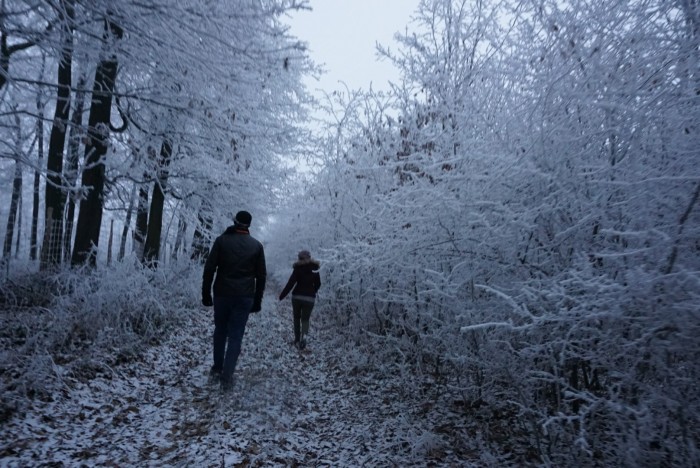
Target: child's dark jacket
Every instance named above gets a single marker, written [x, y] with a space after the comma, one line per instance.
[304, 281]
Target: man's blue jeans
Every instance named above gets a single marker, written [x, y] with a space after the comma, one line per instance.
[230, 318]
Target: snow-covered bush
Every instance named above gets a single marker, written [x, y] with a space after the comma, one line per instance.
[78, 323]
[525, 231]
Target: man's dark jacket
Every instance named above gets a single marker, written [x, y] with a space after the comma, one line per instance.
[238, 260]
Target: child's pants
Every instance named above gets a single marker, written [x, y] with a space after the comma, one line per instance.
[302, 313]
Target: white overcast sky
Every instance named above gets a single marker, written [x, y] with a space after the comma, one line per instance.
[342, 36]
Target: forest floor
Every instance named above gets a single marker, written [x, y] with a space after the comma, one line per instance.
[288, 408]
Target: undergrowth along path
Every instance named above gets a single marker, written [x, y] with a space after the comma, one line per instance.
[287, 408]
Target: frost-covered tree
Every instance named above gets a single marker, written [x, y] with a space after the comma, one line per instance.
[218, 84]
[523, 224]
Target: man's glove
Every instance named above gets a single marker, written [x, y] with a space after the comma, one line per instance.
[207, 300]
[257, 305]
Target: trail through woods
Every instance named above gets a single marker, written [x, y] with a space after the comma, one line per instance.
[287, 409]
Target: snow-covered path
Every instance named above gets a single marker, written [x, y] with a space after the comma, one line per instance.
[287, 409]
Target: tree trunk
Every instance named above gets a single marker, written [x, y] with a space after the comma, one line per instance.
[681, 224]
[200, 241]
[87, 230]
[19, 221]
[12, 215]
[109, 245]
[127, 223]
[181, 230]
[6, 51]
[73, 161]
[55, 197]
[4, 55]
[37, 179]
[16, 190]
[155, 216]
[141, 222]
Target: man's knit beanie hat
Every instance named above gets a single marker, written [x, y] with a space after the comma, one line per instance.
[243, 219]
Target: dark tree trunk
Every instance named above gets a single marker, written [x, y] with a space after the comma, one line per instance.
[72, 162]
[155, 217]
[141, 222]
[4, 56]
[127, 223]
[19, 221]
[55, 196]
[6, 52]
[109, 245]
[33, 242]
[12, 215]
[16, 190]
[87, 230]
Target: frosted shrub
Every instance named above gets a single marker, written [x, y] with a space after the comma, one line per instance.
[522, 239]
[602, 369]
[127, 303]
[89, 319]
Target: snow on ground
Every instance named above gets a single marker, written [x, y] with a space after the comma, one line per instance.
[288, 408]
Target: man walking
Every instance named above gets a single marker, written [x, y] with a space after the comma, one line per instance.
[238, 260]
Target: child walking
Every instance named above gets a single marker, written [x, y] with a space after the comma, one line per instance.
[304, 283]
